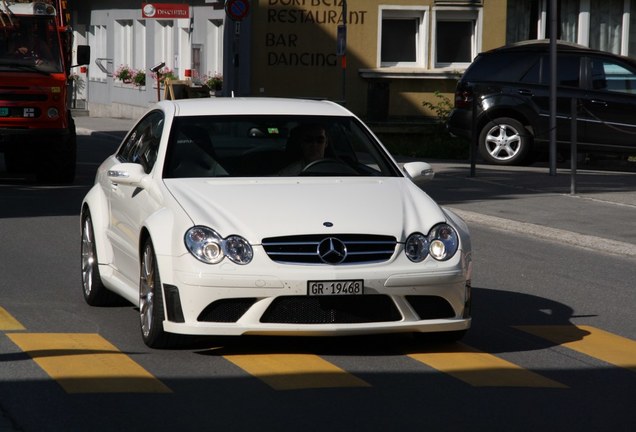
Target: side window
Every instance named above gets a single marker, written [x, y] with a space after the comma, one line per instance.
[611, 76]
[142, 145]
[568, 71]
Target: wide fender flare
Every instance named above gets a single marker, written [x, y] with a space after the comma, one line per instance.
[97, 204]
[166, 231]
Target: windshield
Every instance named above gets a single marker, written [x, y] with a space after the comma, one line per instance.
[29, 44]
[283, 146]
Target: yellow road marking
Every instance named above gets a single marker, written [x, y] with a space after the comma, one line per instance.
[608, 347]
[7, 322]
[481, 369]
[87, 363]
[295, 371]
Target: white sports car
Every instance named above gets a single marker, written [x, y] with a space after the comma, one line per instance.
[261, 216]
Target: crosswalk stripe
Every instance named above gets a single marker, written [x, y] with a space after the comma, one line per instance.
[7, 322]
[481, 369]
[605, 346]
[87, 363]
[295, 371]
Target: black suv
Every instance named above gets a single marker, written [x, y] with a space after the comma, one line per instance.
[510, 90]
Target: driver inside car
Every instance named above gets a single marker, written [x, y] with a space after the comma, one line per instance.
[306, 144]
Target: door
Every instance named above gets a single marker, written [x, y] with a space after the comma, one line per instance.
[610, 104]
[569, 85]
[131, 205]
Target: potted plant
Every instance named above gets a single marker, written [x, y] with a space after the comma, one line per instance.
[214, 82]
[164, 74]
[139, 78]
[124, 74]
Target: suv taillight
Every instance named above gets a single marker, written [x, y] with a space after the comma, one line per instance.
[463, 98]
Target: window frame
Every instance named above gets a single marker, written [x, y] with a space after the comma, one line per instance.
[143, 140]
[457, 14]
[421, 41]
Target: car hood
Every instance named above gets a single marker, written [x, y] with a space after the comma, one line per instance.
[260, 208]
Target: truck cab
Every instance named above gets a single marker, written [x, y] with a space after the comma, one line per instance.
[37, 131]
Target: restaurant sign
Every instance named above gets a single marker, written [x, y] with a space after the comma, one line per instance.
[165, 10]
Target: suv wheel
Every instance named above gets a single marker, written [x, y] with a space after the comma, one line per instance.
[504, 141]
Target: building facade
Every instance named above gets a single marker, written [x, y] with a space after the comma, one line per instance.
[385, 60]
[122, 36]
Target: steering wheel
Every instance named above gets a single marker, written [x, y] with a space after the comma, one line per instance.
[328, 166]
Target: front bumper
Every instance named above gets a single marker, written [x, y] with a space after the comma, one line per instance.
[459, 123]
[398, 298]
[19, 137]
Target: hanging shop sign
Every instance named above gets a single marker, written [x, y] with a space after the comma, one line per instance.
[165, 10]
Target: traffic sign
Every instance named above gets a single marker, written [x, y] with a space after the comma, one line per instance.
[237, 9]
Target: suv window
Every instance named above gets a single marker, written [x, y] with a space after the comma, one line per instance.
[612, 76]
[568, 70]
[505, 67]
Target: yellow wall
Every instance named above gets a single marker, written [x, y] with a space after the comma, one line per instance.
[293, 52]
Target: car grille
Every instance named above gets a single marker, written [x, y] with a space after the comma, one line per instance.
[226, 310]
[314, 249]
[331, 310]
[327, 310]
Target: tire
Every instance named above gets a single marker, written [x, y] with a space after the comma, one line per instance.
[151, 310]
[505, 141]
[95, 293]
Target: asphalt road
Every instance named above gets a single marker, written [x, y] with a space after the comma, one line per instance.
[553, 346]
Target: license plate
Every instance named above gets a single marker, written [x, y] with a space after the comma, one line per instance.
[4, 112]
[340, 287]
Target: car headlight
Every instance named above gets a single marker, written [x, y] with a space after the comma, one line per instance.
[52, 113]
[209, 247]
[416, 247]
[441, 243]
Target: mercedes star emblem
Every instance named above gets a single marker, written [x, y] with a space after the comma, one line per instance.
[332, 251]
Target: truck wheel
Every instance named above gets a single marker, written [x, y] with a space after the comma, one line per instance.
[505, 141]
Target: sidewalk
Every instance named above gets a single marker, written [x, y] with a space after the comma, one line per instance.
[529, 201]
[601, 215]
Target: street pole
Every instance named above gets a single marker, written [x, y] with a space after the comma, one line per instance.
[343, 59]
[573, 145]
[553, 85]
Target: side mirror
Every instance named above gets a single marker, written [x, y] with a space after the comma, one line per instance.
[83, 55]
[419, 172]
[130, 174]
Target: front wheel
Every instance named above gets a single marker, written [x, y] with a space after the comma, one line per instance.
[95, 293]
[505, 141]
[151, 309]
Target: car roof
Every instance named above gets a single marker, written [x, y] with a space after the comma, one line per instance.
[543, 46]
[253, 106]
[538, 45]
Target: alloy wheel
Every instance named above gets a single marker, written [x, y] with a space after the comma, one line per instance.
[146, 291]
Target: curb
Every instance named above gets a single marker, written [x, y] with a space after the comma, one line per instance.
[555, 235]
[103, 135]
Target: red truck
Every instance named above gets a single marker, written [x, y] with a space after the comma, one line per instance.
[37, 131]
